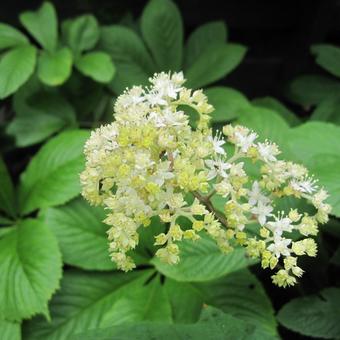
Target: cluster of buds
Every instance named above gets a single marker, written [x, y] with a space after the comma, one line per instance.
[150, 163]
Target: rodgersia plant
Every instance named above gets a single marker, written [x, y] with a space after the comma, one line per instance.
[150, 162]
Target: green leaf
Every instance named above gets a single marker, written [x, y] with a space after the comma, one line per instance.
[204, 38]
[7, 198]
[314, 315]
[227, 103]
[132, 60]
[213, 325]
[308, 90]
[328, 57]
[83, 301]
[241, 295]
[273, 104]
[81, 234]
[81, 33]
[52, 177]
[54, 68]
[162, 30]
[10, 37]
[186, 301]
[96, 65]
[31, 263]
[328, 110]
[10, 330]
[203, 261]
[43, 25]
[16, 66]
[39, 114]
[214, 64]
[5, 221]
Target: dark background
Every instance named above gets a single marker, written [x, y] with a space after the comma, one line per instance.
[278, 33]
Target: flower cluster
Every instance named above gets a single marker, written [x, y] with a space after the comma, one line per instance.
[150, 162]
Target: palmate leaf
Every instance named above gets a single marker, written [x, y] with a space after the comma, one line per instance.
[315, 315]
[202, 260]
[52, 177]
[16, 66]
[43, 25]
[204, 38]
[10, 37]
[87, 299]
[224, 59]
[7, 197]
[31, 264]
[162, 30]
[10, 330]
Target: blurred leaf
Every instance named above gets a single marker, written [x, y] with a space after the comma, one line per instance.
[39, 114]
[43, 25]
[162, 30]
[16, 66]
[55, 67]
[308, 90]
[227, 103]
[31, 263]
[214, 64]
[82, 302]
[213, 325]
[81, 234]
[52, 176]
[273, 104]
[205, 37]
[96, 65]
[328, 57]
[132, 60]
[328, 110]
[10, 330]
[241, 295]
[315, 315]
[81, 33]
[11, 37]
[186, 301]
[5, 221]
[202, 260]
[7, 199]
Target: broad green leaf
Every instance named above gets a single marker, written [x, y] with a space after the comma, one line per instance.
[328, 110]
[39, 114]
[203, 38]
[10, 37]
[43, 25]
[314, 315]
[214, 64]
[54, 68]
[273, 104]
[16, 66]
[52, 176]
[148, 302]
[328, 57]
[202, 260]
[7, 198]
[81, 234]
[81, 33]
[213, 325]
[10, 330]
[308, 90]
[162, 30]
[227, 103]
[131, 58]
[241, 295]
[96, 65]
[186, 301]
[5, 221]
[31, 263]
[83, 301]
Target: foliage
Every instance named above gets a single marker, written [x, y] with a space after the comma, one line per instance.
[57, 79]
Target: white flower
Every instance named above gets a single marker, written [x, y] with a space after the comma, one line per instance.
[217, 143]
[280, 247]
[306, 185]
[255, 195]
[245, 141]
[217, 168]
[268, 151]
[262, 211]
[280, 225]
